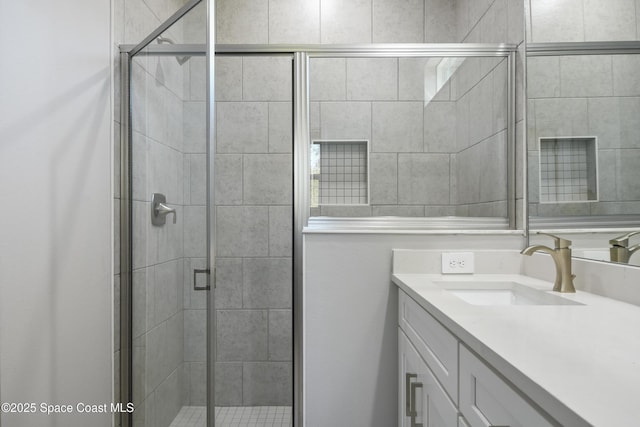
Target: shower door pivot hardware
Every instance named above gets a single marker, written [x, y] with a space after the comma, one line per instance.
[159, 210]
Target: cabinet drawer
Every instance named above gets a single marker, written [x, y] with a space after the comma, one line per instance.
[486, 400]
[437, 346]
[420, 390]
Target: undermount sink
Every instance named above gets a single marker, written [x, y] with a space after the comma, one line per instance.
[502, 293]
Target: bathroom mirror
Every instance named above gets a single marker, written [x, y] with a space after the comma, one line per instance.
[583, 125]
[420, 137]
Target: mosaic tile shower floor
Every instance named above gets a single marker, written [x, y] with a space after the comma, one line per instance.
[235, 416]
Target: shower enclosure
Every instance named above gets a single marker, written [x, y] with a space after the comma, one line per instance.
[218, 185]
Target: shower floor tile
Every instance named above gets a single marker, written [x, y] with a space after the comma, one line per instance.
[235, 416]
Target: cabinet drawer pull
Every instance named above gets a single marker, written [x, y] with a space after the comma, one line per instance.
[407, 382]
[414, 412]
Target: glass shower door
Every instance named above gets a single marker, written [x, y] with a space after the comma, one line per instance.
[254, 217]
[169, 194]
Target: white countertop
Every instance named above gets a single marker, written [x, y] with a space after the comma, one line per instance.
[580, 363]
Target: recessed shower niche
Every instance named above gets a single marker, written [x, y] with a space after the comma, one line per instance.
[339, 172]
[568, 170]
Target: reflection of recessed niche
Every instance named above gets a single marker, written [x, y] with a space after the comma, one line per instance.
[339, 173]
[568, 170]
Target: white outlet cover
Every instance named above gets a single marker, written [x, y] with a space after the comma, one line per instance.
[457, 263]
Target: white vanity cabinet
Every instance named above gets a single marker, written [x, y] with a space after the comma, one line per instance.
[487, 400]
[442, 383]
[423, 401]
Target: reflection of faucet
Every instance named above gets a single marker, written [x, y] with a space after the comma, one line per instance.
[562, 258]
[620, 250]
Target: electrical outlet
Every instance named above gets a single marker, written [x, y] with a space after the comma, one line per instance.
[457, 262]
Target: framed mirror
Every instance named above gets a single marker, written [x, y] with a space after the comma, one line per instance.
[583, 126]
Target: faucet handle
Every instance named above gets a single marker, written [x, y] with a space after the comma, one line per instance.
[559, 242]
[623, 240]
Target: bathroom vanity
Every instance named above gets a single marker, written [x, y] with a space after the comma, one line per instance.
[503, 349]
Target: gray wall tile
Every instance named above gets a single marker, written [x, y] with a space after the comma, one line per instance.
[611, 20]
[197, 179]
[266, 282]
[328, 79]
[423, 179]
[280, 335]
[629, 181]
[462, 123]
[266, 78]
[585, 76]
[397, 127]
[229, 283]
[267, 383]
[440, 21]
[372, 79]
[168, 285]
[543, 77]
[194, 299]
[558, 23]
[197, 80]
[195, 244]
[280, 230]
[294, 21]
[242, 231]
[345, 120]
[195, 338]
[194, 127]
[347, 22]
[242, 127]
[228, 383]
[267, 179]
[440, 127]
[493, 24]
[168, 400]
[626, 79]
[228, 78]
[157, 363]
[608, 174]
[242, 21]
[398, 22]
[561, 117]
[383, 177]
[228, 175]
[280, 125]
[198, 384]
[241, 335]
[480, 114]
[515, 21]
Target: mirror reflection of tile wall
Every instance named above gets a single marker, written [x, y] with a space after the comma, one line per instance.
[595, 95]
[443, 156]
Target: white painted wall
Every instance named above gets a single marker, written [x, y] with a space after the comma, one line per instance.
[351, 321]
[56, 208]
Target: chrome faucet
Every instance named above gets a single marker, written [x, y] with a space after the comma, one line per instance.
[620, 250]
[561, 257]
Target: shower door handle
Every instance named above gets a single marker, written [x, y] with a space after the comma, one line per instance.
[197, 271]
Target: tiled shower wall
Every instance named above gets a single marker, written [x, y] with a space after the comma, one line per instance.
[596, 95]
[254, 231]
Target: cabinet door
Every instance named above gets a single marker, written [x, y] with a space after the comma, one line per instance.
[486, 400]
[420, 393]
